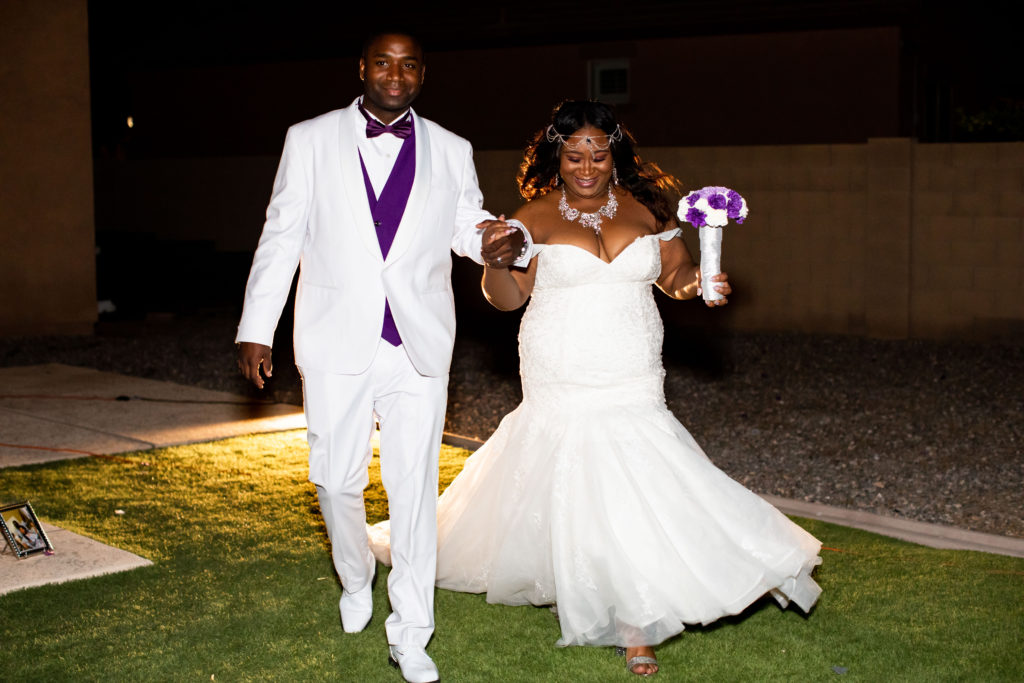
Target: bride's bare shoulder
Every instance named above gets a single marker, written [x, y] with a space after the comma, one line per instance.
[540, 206]
[632, 211]
[539, 215]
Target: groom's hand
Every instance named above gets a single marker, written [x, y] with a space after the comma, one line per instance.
[502, 243]
[250, 357]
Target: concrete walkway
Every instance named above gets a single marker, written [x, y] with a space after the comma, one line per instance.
[56, 412]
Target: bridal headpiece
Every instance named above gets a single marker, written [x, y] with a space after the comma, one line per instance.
[597, 143]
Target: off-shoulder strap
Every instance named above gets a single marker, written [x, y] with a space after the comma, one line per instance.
[668, 234]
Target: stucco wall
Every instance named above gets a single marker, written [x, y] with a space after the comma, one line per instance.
[47, 241]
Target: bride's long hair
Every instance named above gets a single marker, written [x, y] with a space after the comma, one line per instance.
[538, 172]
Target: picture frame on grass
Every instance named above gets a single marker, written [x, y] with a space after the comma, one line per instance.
[22, 531]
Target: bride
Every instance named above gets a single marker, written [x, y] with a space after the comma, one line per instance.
[590, 495]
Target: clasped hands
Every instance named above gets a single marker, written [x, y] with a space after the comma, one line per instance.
[502, 243]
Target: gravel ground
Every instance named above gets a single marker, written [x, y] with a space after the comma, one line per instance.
[921, 430]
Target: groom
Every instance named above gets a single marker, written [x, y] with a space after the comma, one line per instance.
[371, 200]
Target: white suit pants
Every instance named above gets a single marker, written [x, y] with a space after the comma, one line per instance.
[340, 414]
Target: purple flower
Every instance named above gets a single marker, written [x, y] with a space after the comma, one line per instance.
[695, 217]
[693, 198]
[732, 209]
[717, 201]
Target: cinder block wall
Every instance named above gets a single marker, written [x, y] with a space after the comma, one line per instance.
[798, 263]
[967, 253]
[47, 240]
[886, 239]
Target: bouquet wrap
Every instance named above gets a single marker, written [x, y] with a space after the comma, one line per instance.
[710, 261]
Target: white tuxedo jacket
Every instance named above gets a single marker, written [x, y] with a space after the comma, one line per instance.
[319, 217]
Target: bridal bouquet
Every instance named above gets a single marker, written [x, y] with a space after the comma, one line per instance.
[709, 209]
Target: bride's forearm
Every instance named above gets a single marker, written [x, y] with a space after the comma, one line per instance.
[502, 289]
[684, 284]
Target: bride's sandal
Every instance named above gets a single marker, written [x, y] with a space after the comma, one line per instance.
[637, 661]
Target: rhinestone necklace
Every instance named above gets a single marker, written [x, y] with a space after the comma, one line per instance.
[589, 220]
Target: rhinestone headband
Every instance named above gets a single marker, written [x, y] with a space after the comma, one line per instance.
[598, 143]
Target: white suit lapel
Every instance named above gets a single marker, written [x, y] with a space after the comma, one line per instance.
[352, 181]
[417, 196]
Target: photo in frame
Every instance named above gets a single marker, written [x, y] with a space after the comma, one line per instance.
[22, 530]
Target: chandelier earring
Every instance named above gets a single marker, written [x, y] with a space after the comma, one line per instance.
[615, 175]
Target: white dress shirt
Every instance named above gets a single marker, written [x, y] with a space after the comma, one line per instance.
[378, 153]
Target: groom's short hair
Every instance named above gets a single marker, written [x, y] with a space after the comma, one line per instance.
[390, 31]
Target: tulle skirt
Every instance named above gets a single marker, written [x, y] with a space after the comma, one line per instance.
[618, 518]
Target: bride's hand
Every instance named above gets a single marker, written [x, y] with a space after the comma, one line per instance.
[721, 285]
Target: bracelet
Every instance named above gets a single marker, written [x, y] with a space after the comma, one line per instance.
[526, 245]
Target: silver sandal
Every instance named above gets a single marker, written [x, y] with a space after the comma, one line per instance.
[633, 661]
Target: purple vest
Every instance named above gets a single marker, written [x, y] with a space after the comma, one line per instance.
[387, 211]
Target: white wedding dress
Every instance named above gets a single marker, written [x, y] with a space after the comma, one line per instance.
[591, 495]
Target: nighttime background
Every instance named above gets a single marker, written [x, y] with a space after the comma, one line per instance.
[960, 63]
[224, 81]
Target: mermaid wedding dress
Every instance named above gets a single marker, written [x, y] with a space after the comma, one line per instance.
[591, 495]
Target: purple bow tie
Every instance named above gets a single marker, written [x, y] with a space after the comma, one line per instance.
[400, 129]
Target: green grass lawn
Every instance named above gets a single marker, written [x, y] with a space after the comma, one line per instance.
[242, 588]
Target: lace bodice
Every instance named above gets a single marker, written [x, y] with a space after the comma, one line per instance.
[593, 326]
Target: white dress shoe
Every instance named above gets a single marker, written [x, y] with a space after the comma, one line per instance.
[415, 663]
[356, 609]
